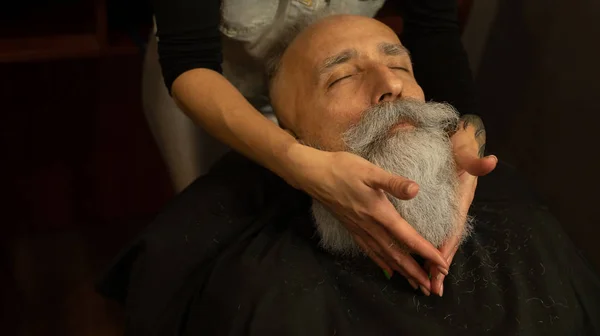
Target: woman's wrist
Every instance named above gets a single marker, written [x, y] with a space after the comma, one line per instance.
[288, 161]
[300, 163]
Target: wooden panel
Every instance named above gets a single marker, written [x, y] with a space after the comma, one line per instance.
[48, 48]
[40, 18]
[66, 29]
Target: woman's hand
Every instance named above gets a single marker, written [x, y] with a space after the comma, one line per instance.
[469, 147]
[467, 186]
[355, 191]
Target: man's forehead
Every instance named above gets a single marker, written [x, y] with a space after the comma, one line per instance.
[337, 39]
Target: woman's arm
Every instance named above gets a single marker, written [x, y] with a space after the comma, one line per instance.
[216, 105]
[189, 46]
[188, 36]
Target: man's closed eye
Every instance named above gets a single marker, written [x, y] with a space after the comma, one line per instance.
[400, 68]
[339, 80]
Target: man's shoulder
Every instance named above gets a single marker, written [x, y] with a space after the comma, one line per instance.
[235, 178]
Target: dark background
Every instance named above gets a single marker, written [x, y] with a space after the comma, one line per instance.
[81, 174]
[538, 86]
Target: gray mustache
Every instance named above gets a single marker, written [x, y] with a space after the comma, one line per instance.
[378, 120]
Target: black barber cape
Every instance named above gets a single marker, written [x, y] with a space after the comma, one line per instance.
[236, 254]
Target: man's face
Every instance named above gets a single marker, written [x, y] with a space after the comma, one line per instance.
[346, 84]
[334, 71]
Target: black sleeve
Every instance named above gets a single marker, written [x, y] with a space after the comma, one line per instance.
[188, 36]
[432, 34]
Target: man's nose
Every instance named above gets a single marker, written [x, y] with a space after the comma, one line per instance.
[387, 85]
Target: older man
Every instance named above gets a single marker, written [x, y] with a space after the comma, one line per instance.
[242, 254]
[357, 83]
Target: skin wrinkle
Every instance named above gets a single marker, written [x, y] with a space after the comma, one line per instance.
[388, 49]
[335, 60]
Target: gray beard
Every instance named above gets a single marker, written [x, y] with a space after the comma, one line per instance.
[423, 154]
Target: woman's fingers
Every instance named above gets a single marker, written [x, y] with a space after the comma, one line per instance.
[437, 278]
[468, 144]
[397, 255]
[378, 246]
[357, 192]
[397, 186]
[373, 252]
[385, 214]
[449, 248]
[467, 159]
[388, 271]
[437, 281]
[451, 257]
[412, 270]
[402, 232]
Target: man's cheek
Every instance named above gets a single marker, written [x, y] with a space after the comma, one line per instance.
[417, 93]
[333, 140]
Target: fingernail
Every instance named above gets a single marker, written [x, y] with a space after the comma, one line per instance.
[413, 284]
[387, 274]
[440, 276]
[408, 188]
[441, 290]
[492, 157]
[425, 291]
[443, 270]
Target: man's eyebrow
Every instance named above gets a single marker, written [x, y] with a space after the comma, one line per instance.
[393, 49]
[337, 59]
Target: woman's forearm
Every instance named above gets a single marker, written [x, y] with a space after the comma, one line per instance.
[213, 103]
